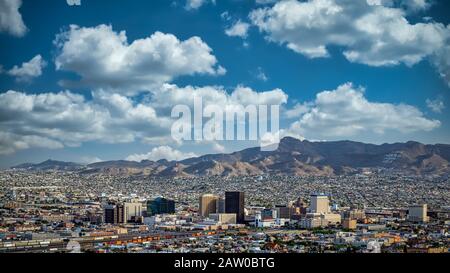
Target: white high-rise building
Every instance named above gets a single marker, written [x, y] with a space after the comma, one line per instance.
[418, 213]
[320, 204]
[132, 209]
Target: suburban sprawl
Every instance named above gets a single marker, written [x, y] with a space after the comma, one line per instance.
[63, 211]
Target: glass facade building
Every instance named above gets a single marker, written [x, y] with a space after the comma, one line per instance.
[160, 206]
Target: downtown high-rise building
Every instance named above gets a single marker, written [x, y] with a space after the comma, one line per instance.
[220, 205]
[160, 205]
[320, 204]
[132, 210]
[418, 213]
[114, 214]
[208, 204]
[234, 203]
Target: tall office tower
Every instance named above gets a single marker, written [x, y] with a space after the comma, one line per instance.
[132, 210]
[120, 213]
[234, 203]
[220, 205]
[418, 213]
[114, 214]
[110, 214]
[160, 206]
[208, 204]
[320, 204]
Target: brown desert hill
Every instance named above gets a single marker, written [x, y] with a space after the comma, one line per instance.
[293, 157]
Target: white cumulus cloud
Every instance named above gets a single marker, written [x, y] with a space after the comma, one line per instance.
[345, 112]
[10, 18]
[104, 58]
[73, 2]
[161, 152]
[369, 32]
[10, 143]
[436, 105]
[196, 4]
[28, 70]
[409, 6]
[68, 119]
[238, 29]
[441, 60]
[170, 95]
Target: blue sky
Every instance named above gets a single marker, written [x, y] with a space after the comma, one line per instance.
[396, 92]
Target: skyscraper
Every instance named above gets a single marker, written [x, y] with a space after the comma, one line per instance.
[220, 205]
[132, 210]
[418, 213]
[114, 214]
[234, 203]
[320, 203]
[208, 204]
[160, 206]
[109, 214]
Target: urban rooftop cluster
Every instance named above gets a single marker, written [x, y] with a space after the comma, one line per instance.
[65, 212]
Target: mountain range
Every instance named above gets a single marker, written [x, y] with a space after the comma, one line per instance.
[293, 157]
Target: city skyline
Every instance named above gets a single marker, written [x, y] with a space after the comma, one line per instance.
[372, 213]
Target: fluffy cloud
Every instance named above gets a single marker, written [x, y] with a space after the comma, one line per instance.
[229, 102]
[298, 110]
[104, 58]
[162, 152]
[55, 120]
[10, 143]
[345, 112]
[196, 4]
[28, 70]
[441, 61]
[170, 95]
[436, 105]
[73, 2]
[407, 5]
[369, 32]
[11, 19]
[260, 75]
[416, 5]
[238, 29]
